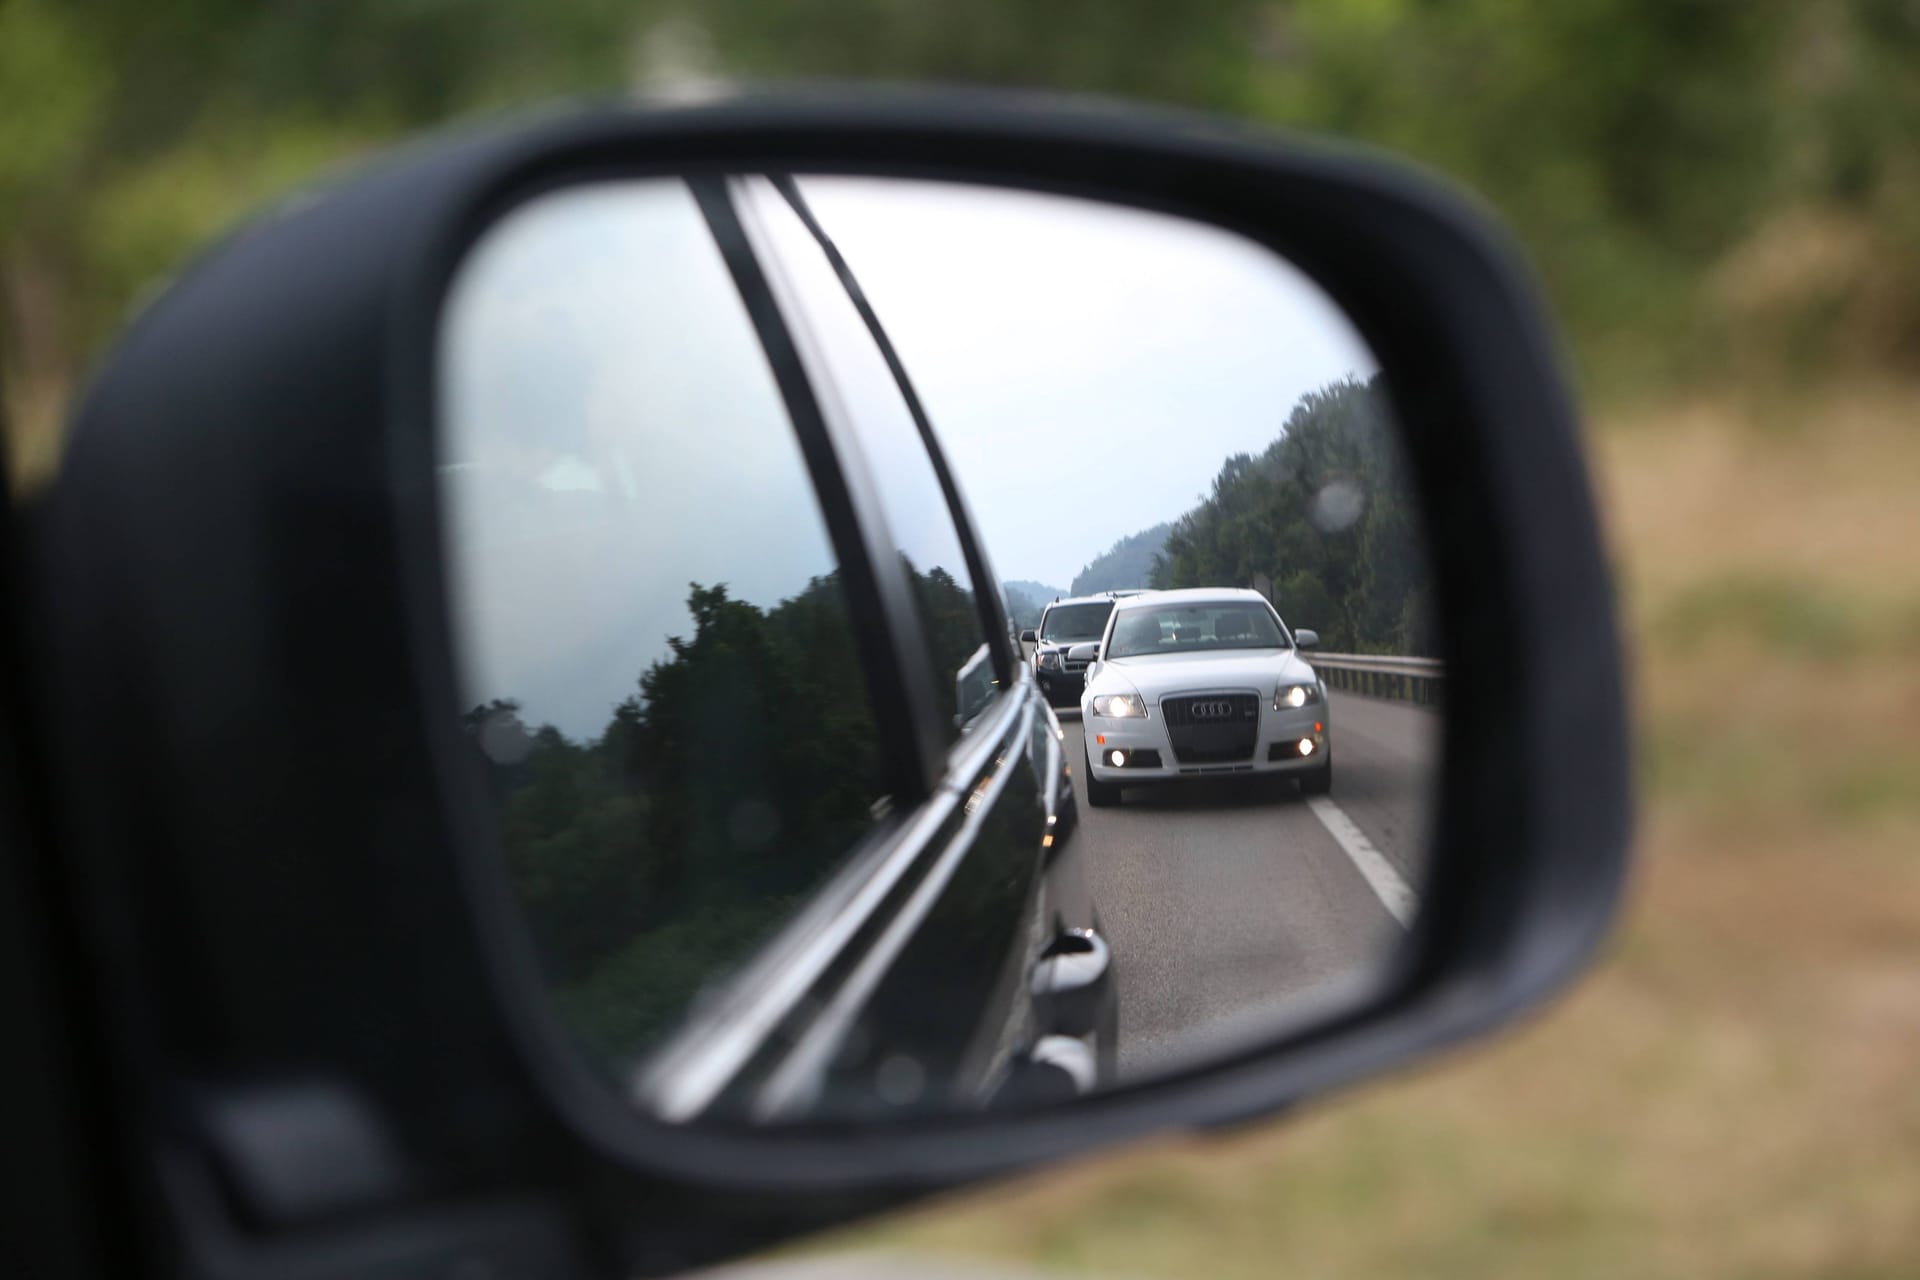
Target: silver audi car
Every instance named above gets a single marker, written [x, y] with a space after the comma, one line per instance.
[1201, 683]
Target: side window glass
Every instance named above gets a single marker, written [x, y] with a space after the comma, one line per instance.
[916, 509]
[657, 660]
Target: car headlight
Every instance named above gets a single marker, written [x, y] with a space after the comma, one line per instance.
[1049, 659]
[1290, 696]
[1120, 706]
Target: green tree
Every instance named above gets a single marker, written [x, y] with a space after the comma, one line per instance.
[651, 860]
[952, 622]
[1707, 188]
[1327, 514]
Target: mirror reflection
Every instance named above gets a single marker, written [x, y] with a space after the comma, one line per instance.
[928, 647]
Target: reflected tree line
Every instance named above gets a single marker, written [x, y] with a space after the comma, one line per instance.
[654, 857]
[1327, 514]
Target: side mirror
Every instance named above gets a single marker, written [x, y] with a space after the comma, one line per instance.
[1029, 636]
[1306, 638]
[643, 903]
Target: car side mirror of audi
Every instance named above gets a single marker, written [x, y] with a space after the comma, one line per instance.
[522, 691]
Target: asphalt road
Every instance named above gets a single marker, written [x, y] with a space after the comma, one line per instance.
[1232, 906]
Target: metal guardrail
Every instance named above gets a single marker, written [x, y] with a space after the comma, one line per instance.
[1379, 675]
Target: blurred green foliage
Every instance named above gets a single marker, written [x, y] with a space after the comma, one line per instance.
[1800, 619]
[1709, 188]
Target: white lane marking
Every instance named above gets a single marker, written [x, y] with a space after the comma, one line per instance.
[1395, 894]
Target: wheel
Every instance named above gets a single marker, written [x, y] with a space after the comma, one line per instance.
[1101, 795]
[1319, 782]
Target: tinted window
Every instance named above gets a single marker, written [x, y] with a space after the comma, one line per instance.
[657, 661]
[1180, 628]
[916, 510]
[1075, 622]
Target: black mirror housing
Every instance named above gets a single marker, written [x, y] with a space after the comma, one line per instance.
[238, 588]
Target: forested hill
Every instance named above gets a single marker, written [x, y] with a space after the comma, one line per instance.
[1026, 599]
[1326, 514]
[1127, 563]
[1034, 590]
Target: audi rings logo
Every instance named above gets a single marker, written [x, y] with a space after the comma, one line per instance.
[1218, 709]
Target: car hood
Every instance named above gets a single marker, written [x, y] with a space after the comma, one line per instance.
[1155, 675]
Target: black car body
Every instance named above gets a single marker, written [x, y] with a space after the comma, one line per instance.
[1002, 977]
[869, 824]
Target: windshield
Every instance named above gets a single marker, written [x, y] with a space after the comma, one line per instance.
[1075, 621]
[1186, 628]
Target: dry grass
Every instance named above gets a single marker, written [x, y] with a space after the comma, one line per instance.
[1736, 1092]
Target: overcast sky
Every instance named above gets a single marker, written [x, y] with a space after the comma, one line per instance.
[1087, 367]
[612, 431]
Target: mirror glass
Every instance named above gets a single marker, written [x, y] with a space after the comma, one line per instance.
[751, 489]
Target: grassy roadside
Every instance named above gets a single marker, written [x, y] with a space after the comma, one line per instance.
[1733, 1093]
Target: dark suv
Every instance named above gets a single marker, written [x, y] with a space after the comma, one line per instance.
[1061, 652]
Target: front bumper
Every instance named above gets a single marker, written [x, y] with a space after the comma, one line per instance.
[1143, 742]
[1061, 688]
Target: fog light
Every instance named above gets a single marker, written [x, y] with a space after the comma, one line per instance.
[1306, 746]
[1119, 759]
